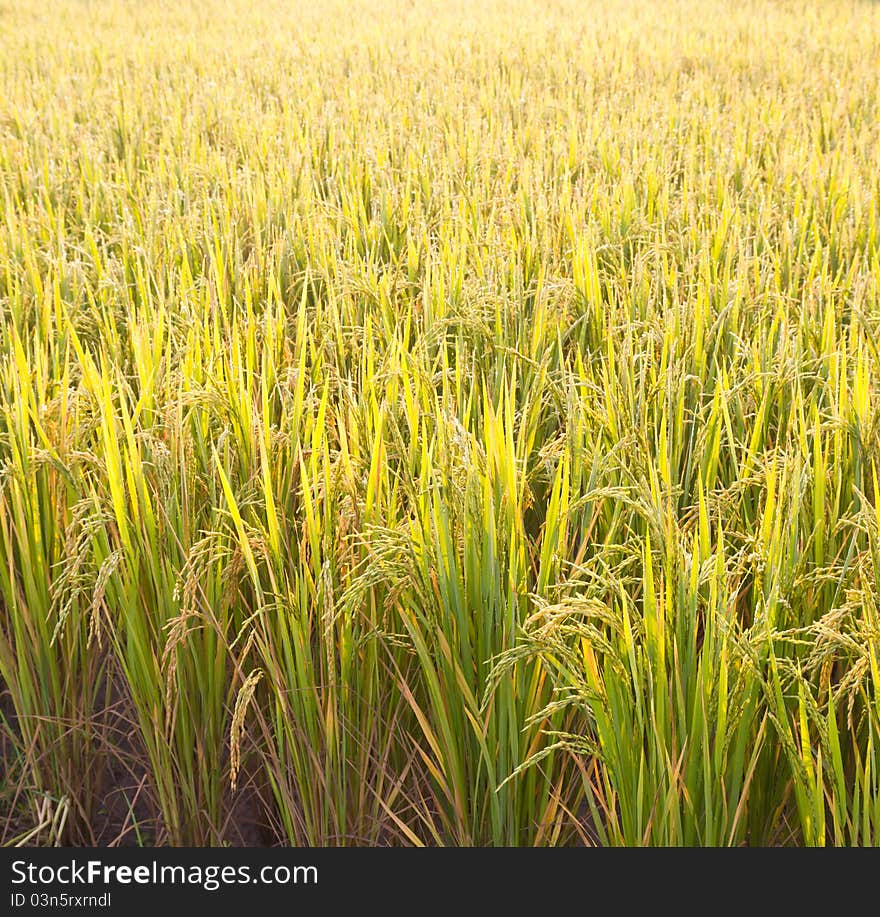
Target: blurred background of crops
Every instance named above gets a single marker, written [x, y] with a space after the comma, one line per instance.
[439, 423]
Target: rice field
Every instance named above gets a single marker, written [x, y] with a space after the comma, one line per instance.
[439, 423]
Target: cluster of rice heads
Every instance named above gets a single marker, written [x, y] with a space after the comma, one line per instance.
[447, 426]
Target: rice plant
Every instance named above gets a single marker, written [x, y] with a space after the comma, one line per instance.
[440, 424]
